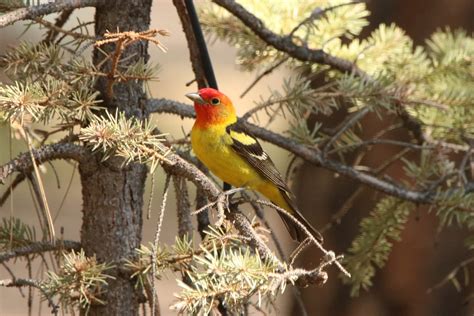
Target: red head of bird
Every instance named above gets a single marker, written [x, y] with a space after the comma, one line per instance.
[212, 107]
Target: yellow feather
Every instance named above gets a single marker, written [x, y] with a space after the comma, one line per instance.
[224, 152]
[212, 147]
[242, 137]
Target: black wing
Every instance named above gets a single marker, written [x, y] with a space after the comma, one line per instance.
[250, 149]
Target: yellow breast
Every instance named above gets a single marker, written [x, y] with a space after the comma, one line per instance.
[212, 147]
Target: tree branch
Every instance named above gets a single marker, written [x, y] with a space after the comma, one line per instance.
[32, 12]
[305, 54]
[58, 24]
[183, 207]
[39, 247]
[31, 283]
[311, 155]
[61, 150]
[286, 44]
[194, 53]
[177, 166]
[18, 179]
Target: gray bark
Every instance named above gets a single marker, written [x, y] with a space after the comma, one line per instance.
[112, 195]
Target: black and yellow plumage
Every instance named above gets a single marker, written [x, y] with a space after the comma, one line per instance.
[236, 157]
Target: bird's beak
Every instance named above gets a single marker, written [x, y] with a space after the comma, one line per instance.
[196, 98]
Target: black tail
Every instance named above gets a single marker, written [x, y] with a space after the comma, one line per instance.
[296, 232]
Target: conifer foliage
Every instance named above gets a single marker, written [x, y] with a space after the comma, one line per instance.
[63, 105]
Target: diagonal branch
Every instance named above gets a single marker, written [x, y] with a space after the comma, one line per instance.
[347, 125]
[194, 52]
[61, 150]
[177, 166]
[311, 155]
[306, 54]
[54, 31]
[286, 44]
[32, 12]
[18, 179]
[318, 13]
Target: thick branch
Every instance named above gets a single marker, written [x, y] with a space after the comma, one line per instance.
[243, 225]
[24, 164]
[177, 166]
[311, 155]
[39, 247]
[286, 44]
[32, 12]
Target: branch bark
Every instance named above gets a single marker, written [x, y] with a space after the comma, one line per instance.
[305, 54]
[286, 44]
[194, 53]
[311, 155]
[61, 150]
[32, 12]
[39, 247]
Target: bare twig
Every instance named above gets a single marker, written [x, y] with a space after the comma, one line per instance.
[68, 188]
[337, 216]
[152, 297]
[201, 196]
[38, 187]
[260, 214]
[221, 204]
[203, 221]
[243, 225]
[156, 241]
[42, 210]
[122, 40]
[267, 71]
[56, 29]
[319, 13]
[265, 106]
[59, 23]
[150, 199]
[350, 122]
[327, 253]
[12, 275]
[179, 167]
[371, 142]
[451, 276]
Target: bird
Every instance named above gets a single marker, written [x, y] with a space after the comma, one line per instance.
[224, 146]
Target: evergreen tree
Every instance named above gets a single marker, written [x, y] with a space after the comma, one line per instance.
[103, 112]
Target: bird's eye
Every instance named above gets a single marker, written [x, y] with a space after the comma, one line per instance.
[215, 101]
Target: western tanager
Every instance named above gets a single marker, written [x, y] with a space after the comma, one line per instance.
[237, 158]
